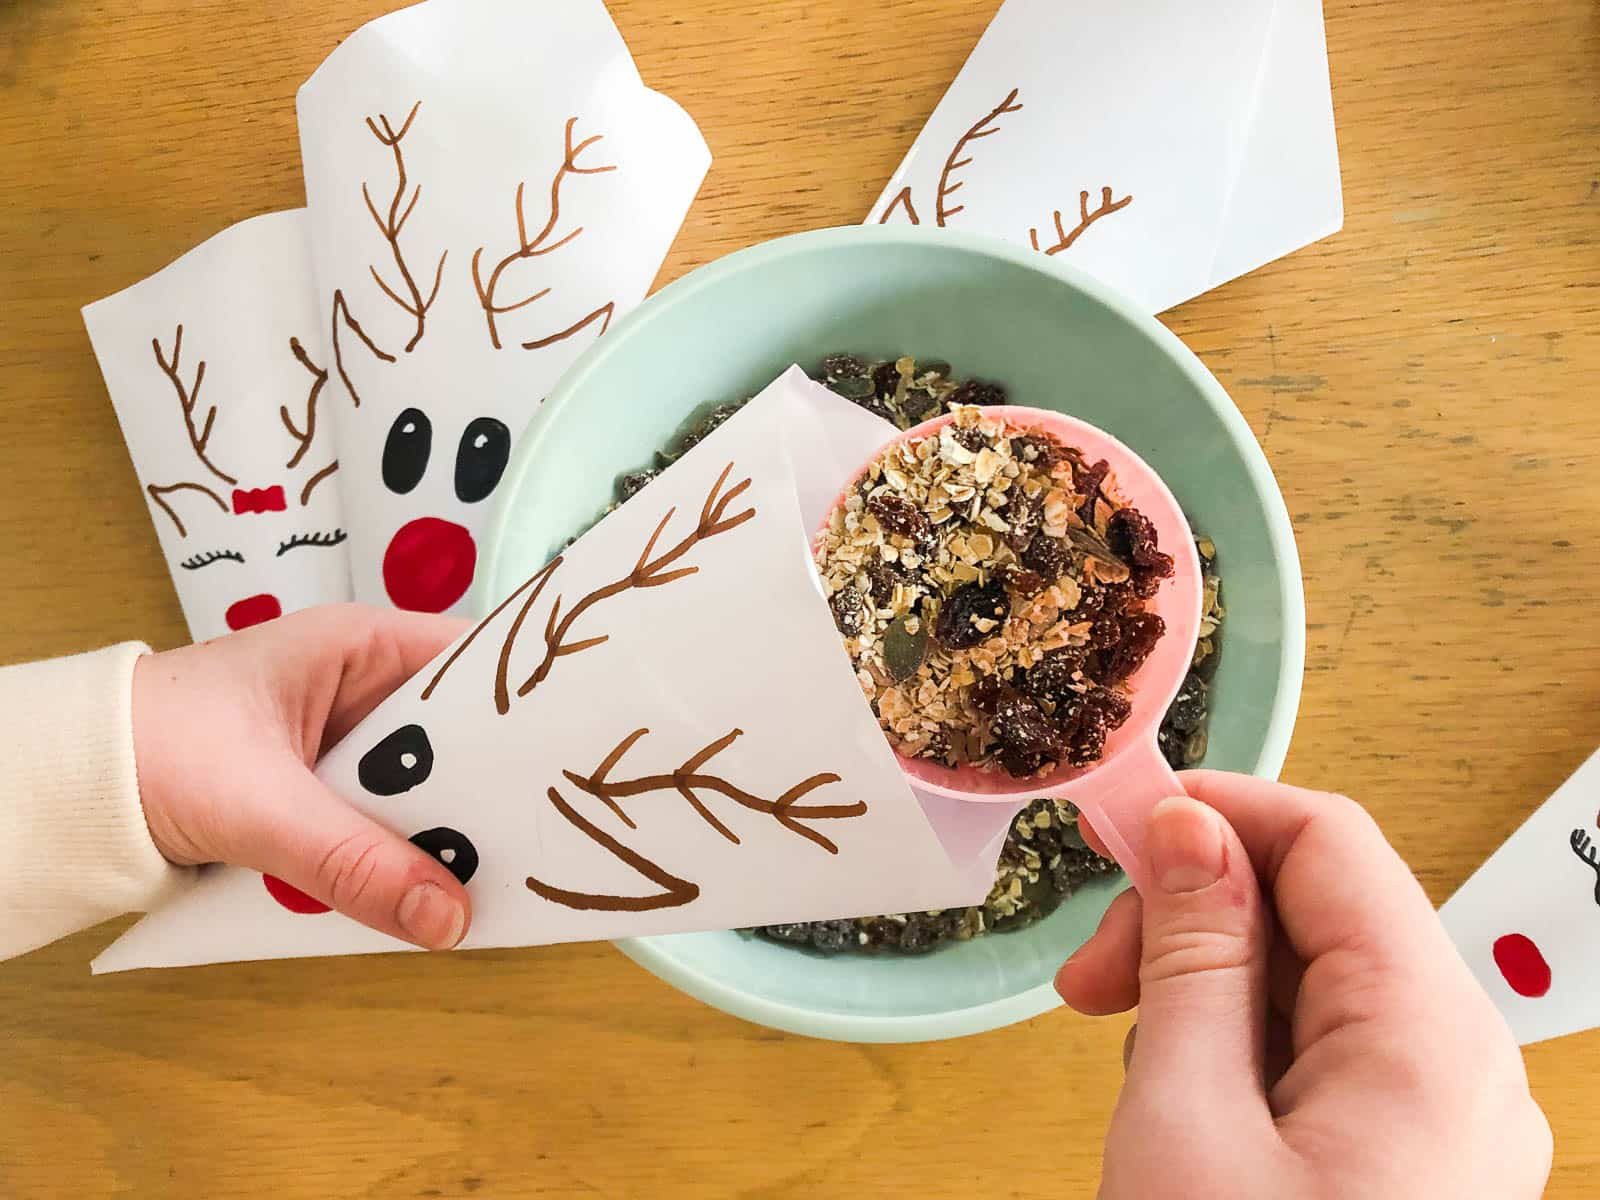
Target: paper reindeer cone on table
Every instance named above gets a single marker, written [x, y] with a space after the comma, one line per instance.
[1528, 921]
[1167, 146]
[218, 374]
[490, 185]
[658, 731]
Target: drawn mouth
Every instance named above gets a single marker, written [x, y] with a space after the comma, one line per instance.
[429, 564]
[253, 610]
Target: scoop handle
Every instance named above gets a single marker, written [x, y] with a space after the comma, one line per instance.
[1117, 798]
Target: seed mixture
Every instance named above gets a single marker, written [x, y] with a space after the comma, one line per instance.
[989, 587]
[1044, 859]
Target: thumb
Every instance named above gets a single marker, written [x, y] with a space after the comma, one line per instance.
[1203, 964]
[321, 848]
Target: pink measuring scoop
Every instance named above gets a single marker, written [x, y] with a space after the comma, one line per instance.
[1117, 793]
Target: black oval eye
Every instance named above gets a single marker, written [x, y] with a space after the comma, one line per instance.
[458, 855]
[481, 459]
[405, 454]
[398, 763]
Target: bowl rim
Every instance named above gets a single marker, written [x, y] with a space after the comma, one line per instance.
[650, 952]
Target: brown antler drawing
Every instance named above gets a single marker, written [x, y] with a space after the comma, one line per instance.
[199, 438]
[980, 129]
[311, 484]
[159, 493]
[689, 779]
[647, 572]
[303, 437]
[1064, 236]
[342, 316]
[538, 245]
[986, 125]
[390, 227]
[189, 400]
[953, 163]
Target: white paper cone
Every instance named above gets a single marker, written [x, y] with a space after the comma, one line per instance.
[491, 185]
[659, 732]
[1163, 147]
[217, 371]
[1528, 920]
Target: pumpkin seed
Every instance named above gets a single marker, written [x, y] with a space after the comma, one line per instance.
[904, 647]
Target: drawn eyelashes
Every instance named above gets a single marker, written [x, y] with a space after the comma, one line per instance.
[480, 458]
[209, 557]
[333, 538]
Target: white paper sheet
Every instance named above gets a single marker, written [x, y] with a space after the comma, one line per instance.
[1163, 147]
[490, 185]
[729, 679]
[217, 370]
[1528, 920]
[1287, 194]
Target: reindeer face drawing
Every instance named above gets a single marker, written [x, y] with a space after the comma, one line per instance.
[248, 550]
[440, 445]
[403, 758]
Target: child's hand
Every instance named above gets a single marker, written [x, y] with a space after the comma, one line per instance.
[225, 734]
[1328, 1043]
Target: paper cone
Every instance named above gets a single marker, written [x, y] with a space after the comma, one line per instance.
[658, 732]
[1528, 920]
[217, 371]
[491, 186]
[1163, 147]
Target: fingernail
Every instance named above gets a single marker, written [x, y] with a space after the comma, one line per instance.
[431, 917]
[1187, 850]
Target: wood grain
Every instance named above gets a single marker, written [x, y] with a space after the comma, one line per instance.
[1423, 384]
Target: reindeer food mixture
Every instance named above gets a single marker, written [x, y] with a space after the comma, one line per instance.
[1044, 860]
[989, 587]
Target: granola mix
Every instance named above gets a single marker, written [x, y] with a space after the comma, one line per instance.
[1044, 859]
[989, 587]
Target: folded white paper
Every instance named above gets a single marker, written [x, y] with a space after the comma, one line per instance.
[218, 373]
[1528, 921]
[1163, 147]
[657, 732]
[490, 186]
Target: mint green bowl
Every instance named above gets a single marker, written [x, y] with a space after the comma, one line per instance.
[1057, 339]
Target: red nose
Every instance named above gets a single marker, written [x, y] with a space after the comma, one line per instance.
[253, 610]
[292, 897]
[429, 565]
[1523, 966]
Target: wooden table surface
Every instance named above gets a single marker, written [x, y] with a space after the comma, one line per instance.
[1423, 383]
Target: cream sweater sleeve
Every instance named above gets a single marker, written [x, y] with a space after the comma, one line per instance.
[74, 848]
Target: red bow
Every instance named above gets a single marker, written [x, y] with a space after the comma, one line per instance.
[258, 500]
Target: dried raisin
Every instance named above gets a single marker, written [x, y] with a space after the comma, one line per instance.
[1053, 676]
[968, 438]
[1024, 514]
[849, 611]
[957, 627]
[1049, 556]
[885, 379]
[899, 516]
[1140, 631]
[977, 393]
[1027, 739]
[1132, 538]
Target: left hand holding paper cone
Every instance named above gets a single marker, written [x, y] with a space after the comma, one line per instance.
[226, 734]
[656, 732]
